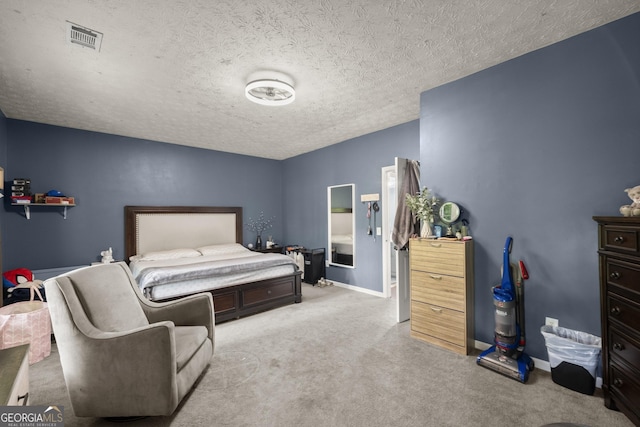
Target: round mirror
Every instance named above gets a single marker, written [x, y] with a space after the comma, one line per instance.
[449, 212]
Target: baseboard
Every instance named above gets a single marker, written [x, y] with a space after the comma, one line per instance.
[358, 289]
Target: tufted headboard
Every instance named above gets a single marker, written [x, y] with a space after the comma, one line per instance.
[157, 228]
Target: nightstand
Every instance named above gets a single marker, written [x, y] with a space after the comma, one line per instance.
[272, 250]
[14, 376]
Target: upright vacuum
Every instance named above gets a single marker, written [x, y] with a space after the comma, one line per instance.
[507, 356]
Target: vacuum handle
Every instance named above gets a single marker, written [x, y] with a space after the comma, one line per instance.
[507, 283]
[523, 271]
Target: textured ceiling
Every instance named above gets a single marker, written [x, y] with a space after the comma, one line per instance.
[175, 70]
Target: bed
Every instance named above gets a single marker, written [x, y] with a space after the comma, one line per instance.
[181, 250]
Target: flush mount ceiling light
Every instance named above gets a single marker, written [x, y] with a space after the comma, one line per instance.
[274, 90]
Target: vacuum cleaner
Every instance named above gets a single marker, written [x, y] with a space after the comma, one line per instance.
[507, 356]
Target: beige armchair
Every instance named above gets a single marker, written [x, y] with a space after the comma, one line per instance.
[122, 355]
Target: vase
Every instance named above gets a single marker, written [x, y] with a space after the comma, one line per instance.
[426, 230]
[259, 242]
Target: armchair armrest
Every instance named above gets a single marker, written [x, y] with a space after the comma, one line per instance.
[192, 310]
[127, 364]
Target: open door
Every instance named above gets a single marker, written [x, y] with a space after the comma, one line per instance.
[408, 181]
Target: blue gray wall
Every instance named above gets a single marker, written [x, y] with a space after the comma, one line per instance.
[357, 161]
[533, 148]
[107, 172]
[3, 164]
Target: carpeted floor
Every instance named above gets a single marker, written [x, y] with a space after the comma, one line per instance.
[339, 359]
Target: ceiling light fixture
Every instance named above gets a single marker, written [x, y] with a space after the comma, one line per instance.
[272, 91]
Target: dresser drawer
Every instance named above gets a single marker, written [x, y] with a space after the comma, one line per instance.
[261, 294]
[623, 274]
[438, 256]
[624, 311]
[14, 376]
[440, 322]
[438, 289]
[624, 386]
[620, 239]
[623, 347]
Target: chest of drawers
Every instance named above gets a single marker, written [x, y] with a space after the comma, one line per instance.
[442, 293]
[14, 376]
[619, 256]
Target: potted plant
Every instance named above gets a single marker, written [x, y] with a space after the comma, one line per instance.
[423, 206]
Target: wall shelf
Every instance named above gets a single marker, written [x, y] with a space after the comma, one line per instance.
[27, 207]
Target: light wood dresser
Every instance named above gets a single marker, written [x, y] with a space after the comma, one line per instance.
[442, 293]
[14, 376]
[619, 254]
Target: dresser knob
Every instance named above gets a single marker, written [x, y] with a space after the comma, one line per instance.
[615, 275]
[618, 382]
[24, 398]
[619, 239]
[618, 346]
[615, 310]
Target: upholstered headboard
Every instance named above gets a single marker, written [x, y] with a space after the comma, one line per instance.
[157, 228]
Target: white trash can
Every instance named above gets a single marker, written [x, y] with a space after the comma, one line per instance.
[573, 357]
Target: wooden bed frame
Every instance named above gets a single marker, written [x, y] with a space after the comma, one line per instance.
[155, 228]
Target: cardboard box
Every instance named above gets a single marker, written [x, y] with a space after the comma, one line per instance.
[59, 200]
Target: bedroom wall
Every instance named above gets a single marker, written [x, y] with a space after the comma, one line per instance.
[533, 148]
[357, 161]
[3, 148]
[3, 164]
[106, 172]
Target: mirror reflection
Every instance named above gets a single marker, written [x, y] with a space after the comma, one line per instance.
[449, 214]
[341, 225]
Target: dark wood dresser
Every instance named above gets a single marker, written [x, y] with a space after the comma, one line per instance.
[619, 253]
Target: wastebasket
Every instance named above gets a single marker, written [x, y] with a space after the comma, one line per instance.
[573, 357]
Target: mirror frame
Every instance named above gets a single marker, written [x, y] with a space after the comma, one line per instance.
[454, 207]
[329, 251]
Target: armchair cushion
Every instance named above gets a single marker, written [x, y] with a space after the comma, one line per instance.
[188, 340]
[107, 298]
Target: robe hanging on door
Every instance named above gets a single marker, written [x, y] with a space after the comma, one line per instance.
[405, 224]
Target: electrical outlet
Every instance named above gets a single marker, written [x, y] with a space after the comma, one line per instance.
[550, 321]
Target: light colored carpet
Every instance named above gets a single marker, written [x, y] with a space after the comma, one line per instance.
[339, 359]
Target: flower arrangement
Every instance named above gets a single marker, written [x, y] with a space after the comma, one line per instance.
[260, 224]
[423, 205]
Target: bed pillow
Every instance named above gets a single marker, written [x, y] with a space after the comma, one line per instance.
[170, 254]
[222, 249]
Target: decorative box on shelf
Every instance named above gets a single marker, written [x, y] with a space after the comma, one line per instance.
[49, 200]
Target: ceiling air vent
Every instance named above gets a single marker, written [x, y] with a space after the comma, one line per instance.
[77, 34]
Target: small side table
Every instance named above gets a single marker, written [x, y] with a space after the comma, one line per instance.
[272, 249]
[14, 376]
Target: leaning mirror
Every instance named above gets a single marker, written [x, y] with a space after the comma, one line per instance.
[342, 250]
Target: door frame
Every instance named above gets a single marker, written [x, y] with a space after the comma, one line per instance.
[386, 232]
